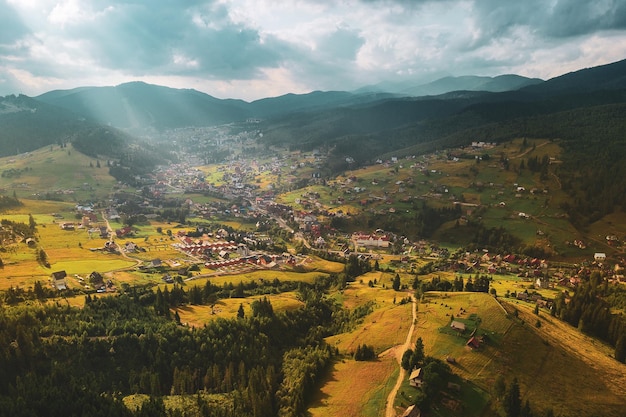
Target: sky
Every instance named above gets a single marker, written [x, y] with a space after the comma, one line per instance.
[251, 49]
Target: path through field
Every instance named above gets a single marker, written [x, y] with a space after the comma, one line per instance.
[399, 351]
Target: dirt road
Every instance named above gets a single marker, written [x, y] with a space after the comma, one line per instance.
[399, 351]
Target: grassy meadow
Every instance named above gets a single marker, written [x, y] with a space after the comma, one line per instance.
[59, 172]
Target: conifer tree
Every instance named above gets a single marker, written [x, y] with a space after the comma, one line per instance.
[512, 401]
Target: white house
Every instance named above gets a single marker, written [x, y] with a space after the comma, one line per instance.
[599, 256]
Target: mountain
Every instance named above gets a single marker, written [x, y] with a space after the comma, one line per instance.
[138, 105]
[604, 77]
[507, 82]
[28, 124]
[316, 100]
[497, 84]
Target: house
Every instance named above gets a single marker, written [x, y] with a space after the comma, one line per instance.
[473, 342]
[67, 226]
[130, 247]
[155, 263]
[412, 411]
[104, 232]
[96, 279]
[458, 326]
[125, 231]
[599, 256]
[542, 282]
[416, 379]
[58, 280]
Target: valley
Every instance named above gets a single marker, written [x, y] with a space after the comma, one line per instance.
[267, 261]
[267, 223]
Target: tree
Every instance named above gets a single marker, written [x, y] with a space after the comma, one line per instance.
[240, 313]
[211, 300]
[364, 353]
[262, 308]
[416, 283]
[499, 387]
[526, 411]
[512, 401]
[39, 291]
[396, 283]
[42, 258]
[406, 360]
[418, 354]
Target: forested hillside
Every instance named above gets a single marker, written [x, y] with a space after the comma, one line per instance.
[68, 360]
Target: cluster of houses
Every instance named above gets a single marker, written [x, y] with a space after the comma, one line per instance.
[58, 280]
[218, 253]
[371, 240]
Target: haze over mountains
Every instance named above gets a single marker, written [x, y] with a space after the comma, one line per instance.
[309, 119]
[137, 104]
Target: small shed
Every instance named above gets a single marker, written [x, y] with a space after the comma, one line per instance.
[599, 256]
[474, 342]
[416, 379]
[458, 326]
[412, 411]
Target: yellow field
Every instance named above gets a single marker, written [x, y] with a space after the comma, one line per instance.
[559, 367]
[267, 275]
[227, 308]
[386, 327]
[354, 388]
[318, 264]
[361, 388]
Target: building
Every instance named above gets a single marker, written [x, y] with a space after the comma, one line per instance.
[58, 280]
[412, 411]
[416, 379]
[458, 326]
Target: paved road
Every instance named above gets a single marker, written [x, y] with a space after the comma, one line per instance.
[390, 411]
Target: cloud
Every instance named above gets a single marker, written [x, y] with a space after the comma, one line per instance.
[13, 29]
[298, 44]
[550, 19]
[163, 37]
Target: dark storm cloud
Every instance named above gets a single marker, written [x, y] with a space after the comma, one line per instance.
[173, 37]
[11, 26]
[572, 18]
[556, 19]
[551, 18]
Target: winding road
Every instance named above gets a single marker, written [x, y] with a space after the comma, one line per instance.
[399, 351]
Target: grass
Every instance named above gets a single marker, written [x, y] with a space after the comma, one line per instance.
[354, 388]
[52, 169]
[361, 388]
[561, 368]
[197, 316]
[181, 403]
[266, 275]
